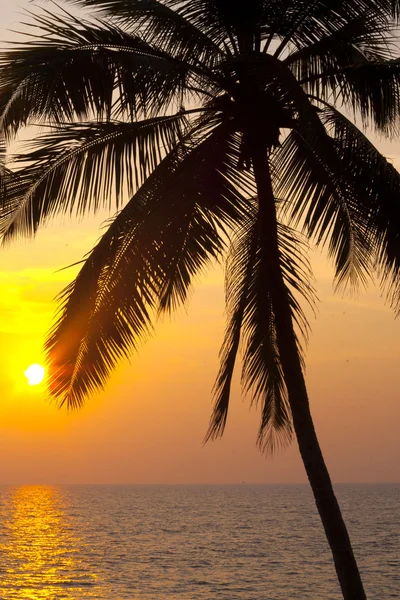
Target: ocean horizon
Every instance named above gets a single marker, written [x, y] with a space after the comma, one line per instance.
[243, 541]
[189, 484]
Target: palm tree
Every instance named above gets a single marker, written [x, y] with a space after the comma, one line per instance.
[231, 126]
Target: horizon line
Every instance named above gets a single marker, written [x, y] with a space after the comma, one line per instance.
[232, 483]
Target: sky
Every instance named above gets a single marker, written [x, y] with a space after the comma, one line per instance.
[148, 425]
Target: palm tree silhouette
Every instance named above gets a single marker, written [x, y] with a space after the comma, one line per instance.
[230, 126]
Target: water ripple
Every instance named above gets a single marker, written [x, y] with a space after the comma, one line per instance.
[240, 542]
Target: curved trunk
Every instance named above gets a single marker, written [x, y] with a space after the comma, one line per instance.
[327, 504]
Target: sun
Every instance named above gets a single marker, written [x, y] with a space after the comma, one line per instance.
[34, 374]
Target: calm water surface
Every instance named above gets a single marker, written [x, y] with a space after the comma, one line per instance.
[244, 542]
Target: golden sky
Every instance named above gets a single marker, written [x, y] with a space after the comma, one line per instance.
[148, 425]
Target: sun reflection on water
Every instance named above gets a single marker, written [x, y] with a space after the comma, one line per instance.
[40, 551]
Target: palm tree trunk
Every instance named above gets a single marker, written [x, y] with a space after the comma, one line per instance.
[327, 504]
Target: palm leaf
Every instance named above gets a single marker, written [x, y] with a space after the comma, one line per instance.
[81, 166]
[310, 174]
[77, 69]
[302, 24]
[316, 196]
[251, 315]
[218, 20]
[373, 89]
[162, 27]
[376, 185]
[262, 373]
[239, 270]
[370, 88]
[166, 234]
[351, 43]
[345, 195]
[4, 172]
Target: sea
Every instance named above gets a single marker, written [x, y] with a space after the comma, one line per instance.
[190, 542]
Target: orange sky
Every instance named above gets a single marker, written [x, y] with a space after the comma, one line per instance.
[148, 425]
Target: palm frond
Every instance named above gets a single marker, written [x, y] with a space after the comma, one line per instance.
[239, 270]
[301, 24]
[77, 69]
[251, 316]
[167, 233]
[162, 27]
[79, 167]
[373, 89]
[316, 195]
[4, 172]
[310, 174]
[262, 374]
[354, 64]
[366, 36]
[370, 88]
[218, 20]
[376, 189]
[349, 199]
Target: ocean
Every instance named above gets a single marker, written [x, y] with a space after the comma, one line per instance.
[197, 542]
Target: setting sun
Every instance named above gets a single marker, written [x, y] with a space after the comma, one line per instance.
[34, 374]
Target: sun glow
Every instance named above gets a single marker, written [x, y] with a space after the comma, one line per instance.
[34, 374]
